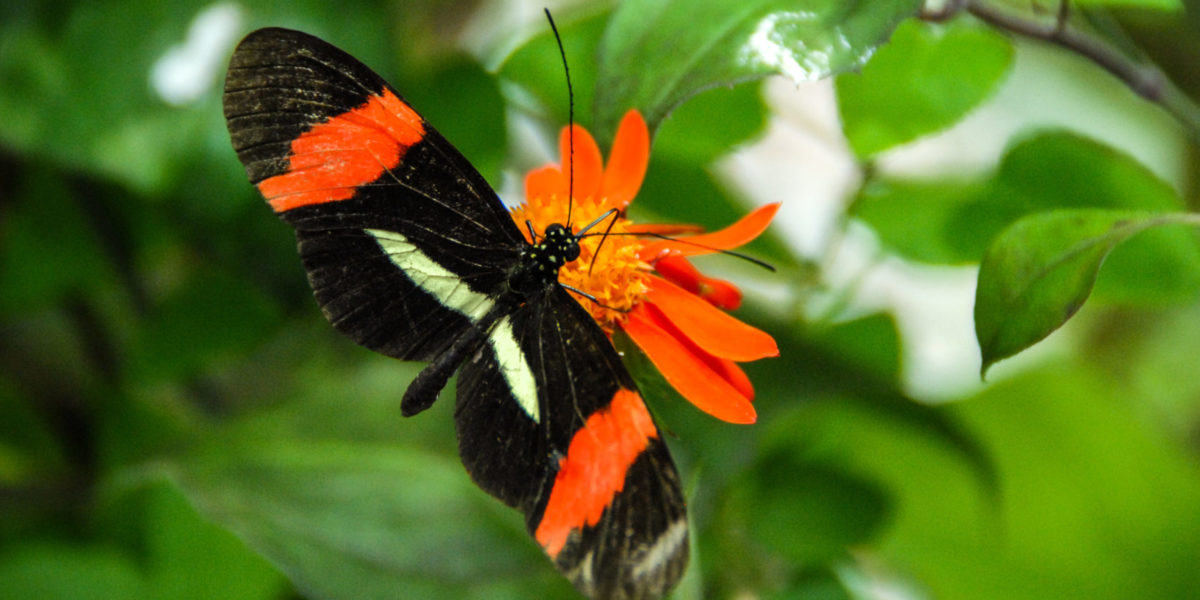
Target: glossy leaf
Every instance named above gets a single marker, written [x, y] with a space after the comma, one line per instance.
[1045, 171]
[346, 519]
[1039, 271]
[658, 53]
[710, 125]
[925, 79]
[536, 69]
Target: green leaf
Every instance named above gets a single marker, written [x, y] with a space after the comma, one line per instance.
[536, 69]
[658, 53]
[871, 344]
[925, 79]
[809, 512]
[1095, 502]
[49, 248]
[349, 519]
[210, 318]
[912, 217]
[61, 571]
[854, 469]
[709, 126]
[73, 96]
[864, 385]
[1039, 271]
[190, 558]
[953, 222]
[29, 452]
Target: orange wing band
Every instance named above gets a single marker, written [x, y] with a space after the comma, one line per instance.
[593, 472]
[331, 160]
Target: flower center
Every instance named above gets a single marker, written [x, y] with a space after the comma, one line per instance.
[617, 278]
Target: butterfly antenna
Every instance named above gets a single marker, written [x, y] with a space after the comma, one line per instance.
[570, 121]
[746, 257]
[595, 255]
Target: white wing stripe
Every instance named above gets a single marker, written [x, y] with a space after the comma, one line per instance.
[456, 295]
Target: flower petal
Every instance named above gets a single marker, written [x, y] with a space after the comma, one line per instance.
[725, 368]
[589, 164]
[720, 293]
[686, 371]
[731, 372]
[746, 229]
[664, 228]
[681, 272]
[545, 182]
[710, 328]
[628, 161]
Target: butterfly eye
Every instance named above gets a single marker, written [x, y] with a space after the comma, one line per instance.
[571, 250]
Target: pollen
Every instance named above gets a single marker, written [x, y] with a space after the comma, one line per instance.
[618, 279]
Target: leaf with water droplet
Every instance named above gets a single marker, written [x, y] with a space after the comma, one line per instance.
[656, 54]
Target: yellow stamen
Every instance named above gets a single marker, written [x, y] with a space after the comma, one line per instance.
[618, 281]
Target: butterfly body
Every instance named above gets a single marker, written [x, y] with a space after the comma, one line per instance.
[534, 272]
[410, 253]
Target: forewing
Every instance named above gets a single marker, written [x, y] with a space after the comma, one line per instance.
[404, 242]
[587, 466]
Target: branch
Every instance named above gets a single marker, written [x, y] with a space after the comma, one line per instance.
[1144, 78]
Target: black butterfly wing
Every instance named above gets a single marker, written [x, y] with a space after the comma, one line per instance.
[405, 244]
[581, 457]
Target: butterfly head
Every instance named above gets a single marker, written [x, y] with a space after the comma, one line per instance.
[560, 245]
[540, 262]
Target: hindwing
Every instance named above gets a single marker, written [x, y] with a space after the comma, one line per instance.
[591, 471]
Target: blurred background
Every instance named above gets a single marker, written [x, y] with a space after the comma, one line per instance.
[177, 419]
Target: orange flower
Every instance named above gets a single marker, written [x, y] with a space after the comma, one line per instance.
[646, 286]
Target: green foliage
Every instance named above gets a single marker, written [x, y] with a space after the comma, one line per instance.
[314, 509]
[924, 80]
[178, 555]
[682, 48]
[177, 420]
[1045, 171]
[1149, 4]
[1039, 270]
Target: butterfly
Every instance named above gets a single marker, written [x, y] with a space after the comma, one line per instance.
[410, 253]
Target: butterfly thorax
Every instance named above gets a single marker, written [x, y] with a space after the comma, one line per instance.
[539, 263]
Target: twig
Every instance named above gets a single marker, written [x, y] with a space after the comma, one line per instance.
[948, 10]
[1144, 78]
